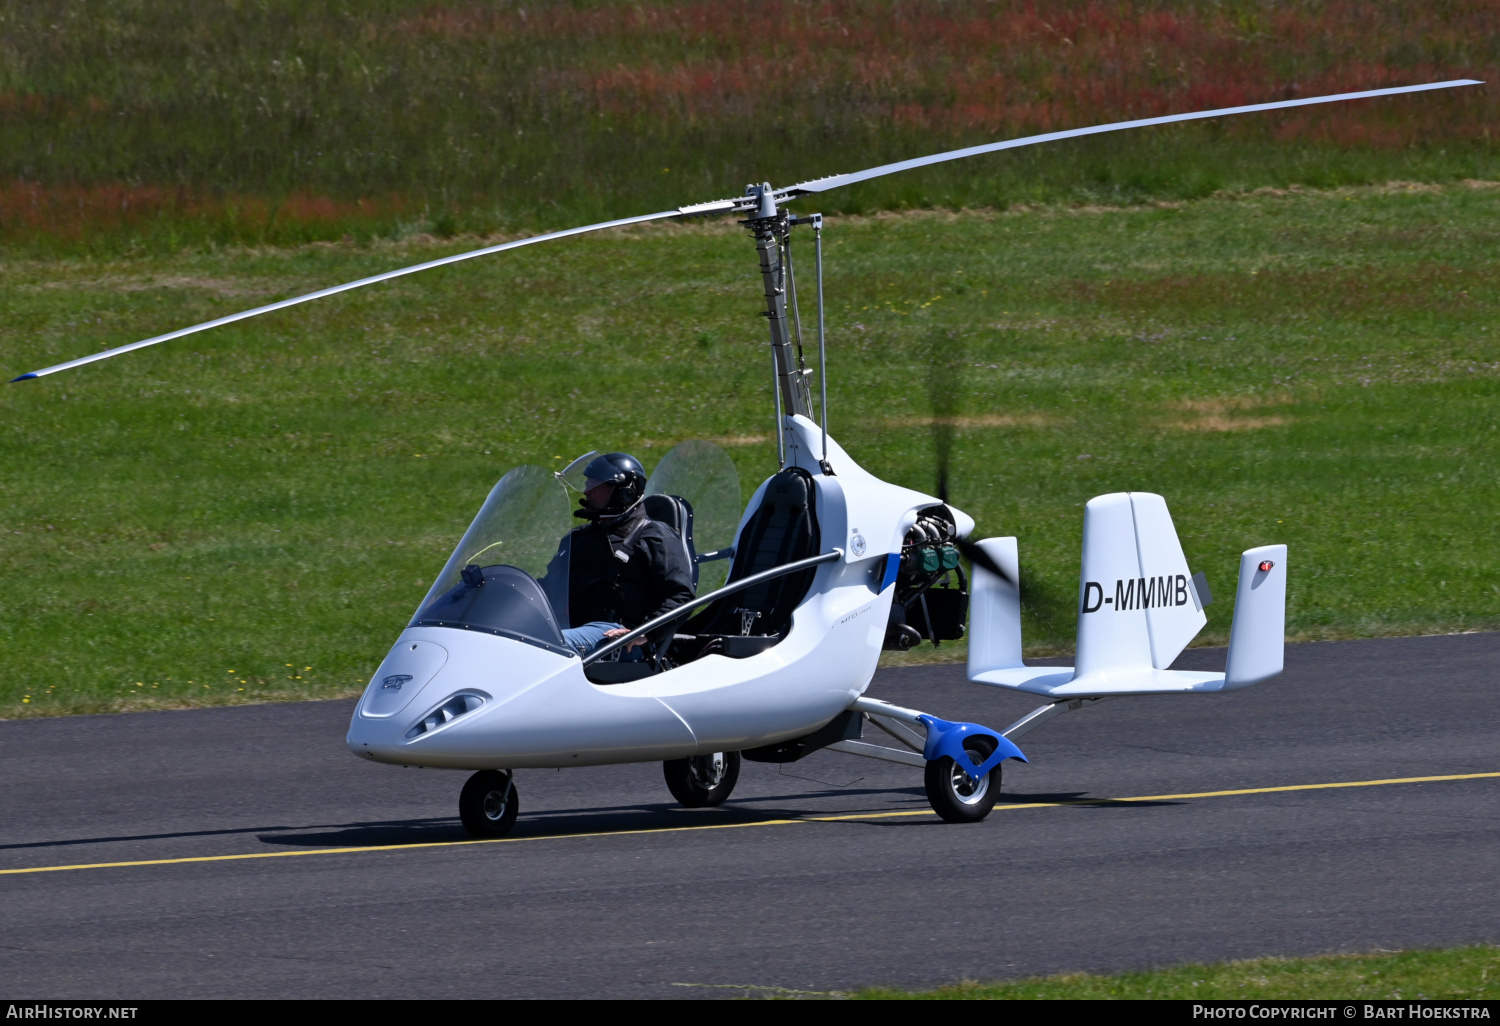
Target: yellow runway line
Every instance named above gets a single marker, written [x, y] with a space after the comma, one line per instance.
[1178, 797]
[733, 826]
[396, 847]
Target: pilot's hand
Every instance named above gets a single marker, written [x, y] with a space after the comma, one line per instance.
[620, 632]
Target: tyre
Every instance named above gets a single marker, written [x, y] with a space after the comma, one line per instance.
[487, 805]
[958, 797]
[700, 781]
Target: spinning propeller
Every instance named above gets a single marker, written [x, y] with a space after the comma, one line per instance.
[759, 202]
[942, 387]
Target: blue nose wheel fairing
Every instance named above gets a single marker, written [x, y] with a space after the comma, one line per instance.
[947, 738]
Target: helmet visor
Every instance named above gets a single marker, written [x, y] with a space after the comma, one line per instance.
[573, 474]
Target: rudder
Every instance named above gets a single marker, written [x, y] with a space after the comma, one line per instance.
[1136, 606]
[1173, 616]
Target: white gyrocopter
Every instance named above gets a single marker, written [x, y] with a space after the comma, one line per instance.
[826, 566]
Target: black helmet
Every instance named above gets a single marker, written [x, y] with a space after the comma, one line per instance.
[622, 470]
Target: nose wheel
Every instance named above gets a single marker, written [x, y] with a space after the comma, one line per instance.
[700, 781]
[487, 805]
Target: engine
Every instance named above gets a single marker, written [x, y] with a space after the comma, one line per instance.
[932, 593]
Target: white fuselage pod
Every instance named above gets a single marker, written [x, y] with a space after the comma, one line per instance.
[515, 705]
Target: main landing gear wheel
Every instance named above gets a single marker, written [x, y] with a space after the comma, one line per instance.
[955, 795]
[702, 780]
[487, 805]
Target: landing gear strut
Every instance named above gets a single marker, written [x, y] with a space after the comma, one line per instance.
[956, 790]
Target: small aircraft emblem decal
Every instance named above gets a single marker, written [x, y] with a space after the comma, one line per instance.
[857, 543]
[395, 680]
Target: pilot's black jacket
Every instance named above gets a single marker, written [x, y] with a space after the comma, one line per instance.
[654, 578]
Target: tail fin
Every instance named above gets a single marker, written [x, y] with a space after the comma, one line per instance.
[1257, 637]
[1138, 611]
[1137, 607]
[995, 611]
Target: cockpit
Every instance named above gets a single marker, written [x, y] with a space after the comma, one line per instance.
[509, 575]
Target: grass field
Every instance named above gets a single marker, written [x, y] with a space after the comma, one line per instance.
[130, 127]
[1468, 974]
[253, 513]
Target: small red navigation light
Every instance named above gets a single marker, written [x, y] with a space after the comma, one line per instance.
[1266, 564]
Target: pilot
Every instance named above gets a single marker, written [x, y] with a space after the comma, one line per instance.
[624, 568]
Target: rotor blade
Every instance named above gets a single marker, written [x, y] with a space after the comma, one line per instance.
[735, 205]
[837, 181]
[387, 276]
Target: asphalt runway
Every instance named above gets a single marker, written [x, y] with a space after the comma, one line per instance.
[826, 875]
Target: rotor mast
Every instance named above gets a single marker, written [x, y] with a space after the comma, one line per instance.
[771, 227]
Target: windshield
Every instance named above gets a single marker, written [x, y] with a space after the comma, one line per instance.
[509, 574]
[704, 475]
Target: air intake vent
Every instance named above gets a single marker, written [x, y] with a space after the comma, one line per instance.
[452, 709]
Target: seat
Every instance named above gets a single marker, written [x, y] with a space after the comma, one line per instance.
[783, 529]
[677, 513]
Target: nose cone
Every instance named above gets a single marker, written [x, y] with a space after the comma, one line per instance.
[413, 663]
[405, 672]
[428, 702]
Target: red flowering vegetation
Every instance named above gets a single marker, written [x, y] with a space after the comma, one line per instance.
[503, 112]
[676, 22]
[1017, 66]
[42, 105]
[76, 211]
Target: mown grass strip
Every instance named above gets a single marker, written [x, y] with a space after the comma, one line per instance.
[725, 826]
[1464, 973]
[253, 513]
